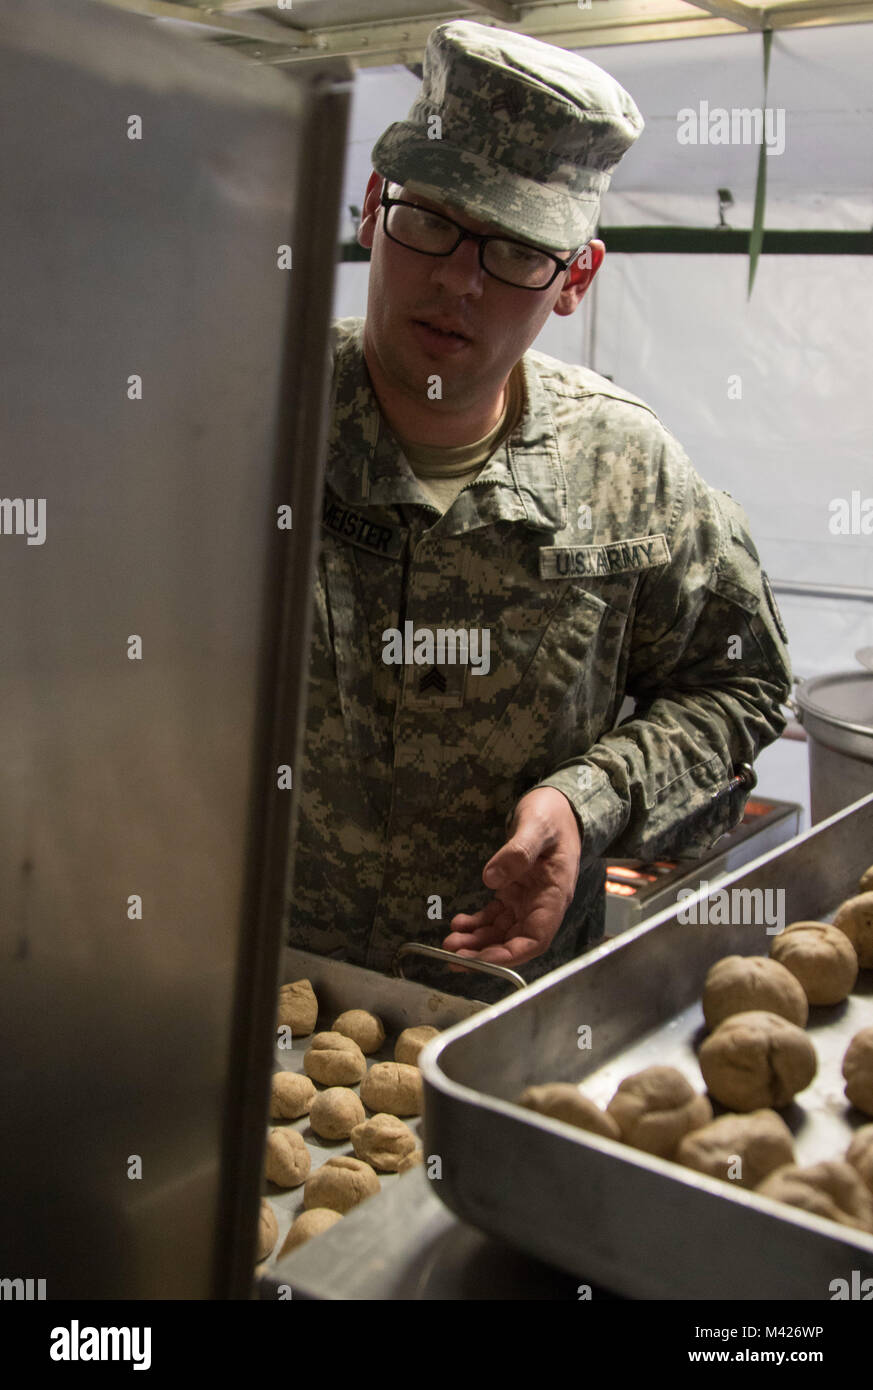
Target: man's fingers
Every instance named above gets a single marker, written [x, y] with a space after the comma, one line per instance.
[474, 940]
[472, 933]
[514, 860]
[514, 951]
[464, 921]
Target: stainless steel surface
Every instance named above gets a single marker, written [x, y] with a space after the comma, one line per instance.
[837, 712]
[151, 259]
[400, 1004]
[484, 967]
[409, 1247]
[865, 656]
[629, 1221]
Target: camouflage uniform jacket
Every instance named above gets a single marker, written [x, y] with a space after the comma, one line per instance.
[408, 780]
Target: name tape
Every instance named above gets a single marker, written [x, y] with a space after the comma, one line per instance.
[372, 535]
[616, 557]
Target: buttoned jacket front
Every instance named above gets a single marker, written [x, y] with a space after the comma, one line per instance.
[601, 566]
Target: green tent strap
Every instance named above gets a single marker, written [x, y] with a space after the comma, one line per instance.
[756, 236]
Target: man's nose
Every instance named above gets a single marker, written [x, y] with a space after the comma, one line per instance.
[460, 273]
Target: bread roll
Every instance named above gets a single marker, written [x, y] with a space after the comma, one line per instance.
[657, 1107]
[757, 1060]
[738, 984]
[334, 1060]
[335, 1112]
[563, 1101]
[821, 957]
[362, 1027]
[855, 918]
[393, 1088]
[340, 1183]
[298, 1007]
[832, 1189]
[858, 1070]
[739, 1148]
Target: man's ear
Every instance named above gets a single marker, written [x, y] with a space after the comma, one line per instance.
[370, 212]
[579, 277]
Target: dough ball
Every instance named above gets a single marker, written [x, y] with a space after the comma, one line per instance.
[298, 1007]
[411, 1041]
[757, 1060]
[855, 918]
[268, 1231]
[821, 957]
[562, 1101]
[655, 1108]
[363, 1028]
[288, 1161]
[860, 1154]
[411, 1161]
[831, 1189]
[335, 1113]
[308, 1224]
[739, 983]
[291, 1095]
[340, 1184]
[393, 1087]
[383, 1141]
[865, 883]
[858, 1070]
[334, 1060]
[761, 1141]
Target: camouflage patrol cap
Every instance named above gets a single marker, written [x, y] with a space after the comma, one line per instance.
[527, 137]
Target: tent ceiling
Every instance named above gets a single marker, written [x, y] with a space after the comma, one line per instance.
[383, 32]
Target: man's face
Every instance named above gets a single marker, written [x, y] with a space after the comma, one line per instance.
[408, 291]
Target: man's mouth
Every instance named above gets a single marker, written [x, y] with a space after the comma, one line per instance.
[443, 329]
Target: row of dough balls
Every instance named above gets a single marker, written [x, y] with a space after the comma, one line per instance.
[757, 1007]
[298, 1009]
[383, 1141]
[342, 1182]
[755, 1057]
[337, 1060]
[392, 1087]
[658, 1110]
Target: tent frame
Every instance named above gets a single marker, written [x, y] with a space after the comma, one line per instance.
[274, 35]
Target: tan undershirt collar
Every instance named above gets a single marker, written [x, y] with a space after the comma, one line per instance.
[437, 461]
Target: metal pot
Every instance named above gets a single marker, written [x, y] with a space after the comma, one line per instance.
[837, 713]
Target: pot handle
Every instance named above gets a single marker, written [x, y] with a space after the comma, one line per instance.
[485, 967]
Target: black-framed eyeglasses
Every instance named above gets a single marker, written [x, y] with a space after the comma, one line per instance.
[513, 262]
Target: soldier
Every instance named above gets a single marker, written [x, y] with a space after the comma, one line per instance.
[511, 547]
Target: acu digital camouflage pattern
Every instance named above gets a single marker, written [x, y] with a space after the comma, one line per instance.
[529, 133]
[407, 792]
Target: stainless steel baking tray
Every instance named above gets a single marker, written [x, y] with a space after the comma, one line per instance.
[612, 1215]
[400, 1004]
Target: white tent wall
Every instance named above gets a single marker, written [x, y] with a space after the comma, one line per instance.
[678, 332]
[770, 397]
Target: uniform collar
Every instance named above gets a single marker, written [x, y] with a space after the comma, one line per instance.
[523, 481]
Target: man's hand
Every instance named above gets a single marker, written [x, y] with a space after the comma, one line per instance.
[534, 878]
